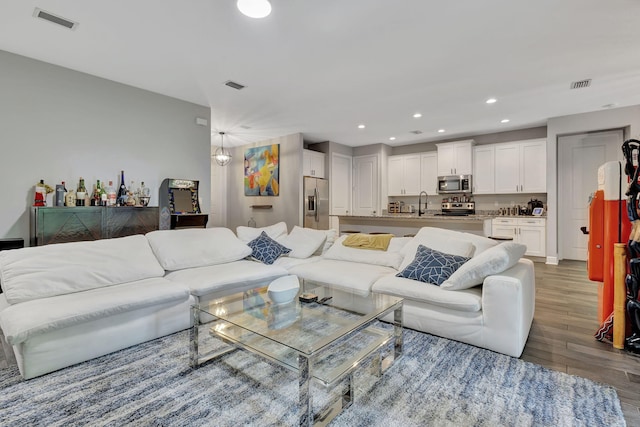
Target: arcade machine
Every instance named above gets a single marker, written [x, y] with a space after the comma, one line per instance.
[179, 204]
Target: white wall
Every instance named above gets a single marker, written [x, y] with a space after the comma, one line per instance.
[287, 206]
[627, 118]
[58, 125]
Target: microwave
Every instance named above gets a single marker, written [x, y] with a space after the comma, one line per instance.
[454, 184]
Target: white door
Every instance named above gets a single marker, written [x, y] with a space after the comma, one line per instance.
[507, 161]
[579, 157]
[340, 199]
[365, 185]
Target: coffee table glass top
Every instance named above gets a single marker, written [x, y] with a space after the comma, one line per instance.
[280, 332]
[304, 327]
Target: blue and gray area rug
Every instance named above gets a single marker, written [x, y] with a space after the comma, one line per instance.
[437, 382]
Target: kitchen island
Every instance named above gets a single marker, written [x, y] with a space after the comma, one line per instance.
[406, 224]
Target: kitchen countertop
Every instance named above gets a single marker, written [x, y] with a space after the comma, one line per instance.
[434, 217]
[415, 217]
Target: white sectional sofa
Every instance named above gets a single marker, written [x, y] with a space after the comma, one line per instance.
[66, 303]
[492, 309]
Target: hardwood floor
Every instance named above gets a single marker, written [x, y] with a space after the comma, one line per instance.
[561, 336]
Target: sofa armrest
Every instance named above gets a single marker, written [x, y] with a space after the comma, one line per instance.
[508, 304]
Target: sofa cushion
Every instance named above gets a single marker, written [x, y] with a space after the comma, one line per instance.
[275, 231]
[58, 269]
[21, 321]
[330, 240]
[469, 300]
[289, 263]
[431, 266]
[389, 258]
[446, 241]
[234, 275]
[266, 250]
[492, 261]
[196, 247]
[344, 275]
[303, 242]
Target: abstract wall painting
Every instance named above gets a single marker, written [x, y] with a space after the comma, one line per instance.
[261, 171]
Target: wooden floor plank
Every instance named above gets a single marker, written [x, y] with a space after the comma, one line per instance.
[561, 337]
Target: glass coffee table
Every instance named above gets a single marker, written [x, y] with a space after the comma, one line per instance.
[324, 341]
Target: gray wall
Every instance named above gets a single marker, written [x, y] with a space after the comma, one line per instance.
[58, 125]
[287, 206]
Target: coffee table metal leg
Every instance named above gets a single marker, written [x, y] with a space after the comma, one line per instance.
[193, 337]
[304, 396]
[397, 332]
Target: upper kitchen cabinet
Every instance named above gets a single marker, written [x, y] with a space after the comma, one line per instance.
[313, 163]
[484, 169]
[521, 167]
[429, 172]
[454, 158]
[404, 175]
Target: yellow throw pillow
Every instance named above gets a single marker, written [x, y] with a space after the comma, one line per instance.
[377, 242]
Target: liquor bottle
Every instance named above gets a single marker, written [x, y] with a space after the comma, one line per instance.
[64, 187]
[95, 197]
[112, 196]
[81, 193]
[60, 194]
[122, 191]
[134, 199]
[103, 196]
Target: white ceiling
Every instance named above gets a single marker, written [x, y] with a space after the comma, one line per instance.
[323, 67]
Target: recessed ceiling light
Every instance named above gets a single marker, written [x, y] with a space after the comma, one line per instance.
[491, 101]
[361, 126]
[393, 138]
[440, 130]
[504, 121]
[417, 115]
[254, 8]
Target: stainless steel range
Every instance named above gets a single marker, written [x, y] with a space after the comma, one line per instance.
[458, 208]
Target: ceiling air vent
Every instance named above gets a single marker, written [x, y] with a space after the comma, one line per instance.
[58, 20]
[581, 84]
[234, 85]
[417, 132]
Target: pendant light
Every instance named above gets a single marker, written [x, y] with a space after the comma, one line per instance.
[222, 156]
[254, 8]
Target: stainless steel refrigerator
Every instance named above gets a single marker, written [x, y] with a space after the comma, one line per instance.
[316, 203]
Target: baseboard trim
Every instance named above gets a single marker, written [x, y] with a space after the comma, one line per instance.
[552, 260]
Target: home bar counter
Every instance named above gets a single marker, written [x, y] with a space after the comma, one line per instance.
[407, 224]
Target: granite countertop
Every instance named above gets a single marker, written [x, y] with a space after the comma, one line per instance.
[436, 216]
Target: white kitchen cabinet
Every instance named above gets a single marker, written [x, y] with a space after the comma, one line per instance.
[484, 169]
[429, 173]
[520, 167]
[529, 231]
[313, 163]
[404, 175]
[455, 158]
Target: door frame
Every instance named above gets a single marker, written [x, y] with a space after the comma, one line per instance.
[561, 212]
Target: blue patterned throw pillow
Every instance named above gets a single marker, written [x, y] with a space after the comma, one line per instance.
[266, 250]
[431, 266]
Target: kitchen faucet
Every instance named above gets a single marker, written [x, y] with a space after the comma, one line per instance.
[426, 201]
